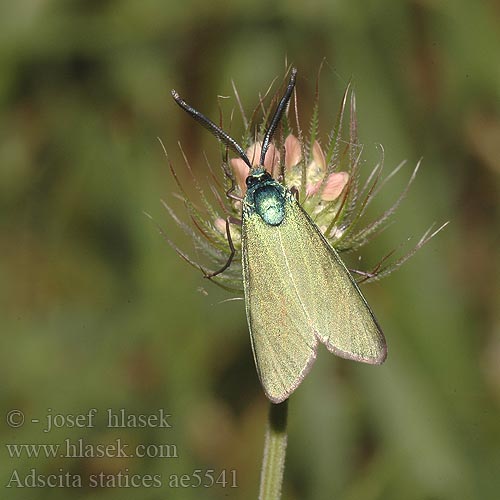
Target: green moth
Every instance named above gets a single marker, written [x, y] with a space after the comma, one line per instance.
[298, 292]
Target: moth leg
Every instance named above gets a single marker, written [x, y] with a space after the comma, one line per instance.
[231, 256]
[366, 275]
[230, 192]
[295, 192]
[229, 175]
[371, 275]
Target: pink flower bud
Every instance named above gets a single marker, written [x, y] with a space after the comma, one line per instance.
[220, 225]
[334, 185]
[241, 170]
[293, 151]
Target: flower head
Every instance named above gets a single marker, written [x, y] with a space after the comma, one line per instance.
[326, 180]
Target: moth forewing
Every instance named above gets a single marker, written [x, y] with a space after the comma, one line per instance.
[343, 321]
[297, 293]
[283, 349]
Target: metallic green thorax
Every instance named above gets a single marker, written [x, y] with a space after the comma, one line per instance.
[265, 196]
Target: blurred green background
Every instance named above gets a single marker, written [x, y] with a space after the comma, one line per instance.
[98, 312]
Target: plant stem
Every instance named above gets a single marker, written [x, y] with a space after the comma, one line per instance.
[273, 462]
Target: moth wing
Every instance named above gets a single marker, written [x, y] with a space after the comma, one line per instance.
[298, 291]
[283, 340]
[337, 310]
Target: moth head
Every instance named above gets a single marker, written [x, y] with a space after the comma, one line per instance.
[257, 177]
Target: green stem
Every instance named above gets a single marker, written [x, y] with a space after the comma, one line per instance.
[273, 462]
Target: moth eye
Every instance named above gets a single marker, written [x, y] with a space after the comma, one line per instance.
[250, 180]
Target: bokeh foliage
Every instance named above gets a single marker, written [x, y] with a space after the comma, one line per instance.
[97, 311]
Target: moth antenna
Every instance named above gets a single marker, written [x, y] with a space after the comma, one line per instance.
[277, 116]
[226, 139]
